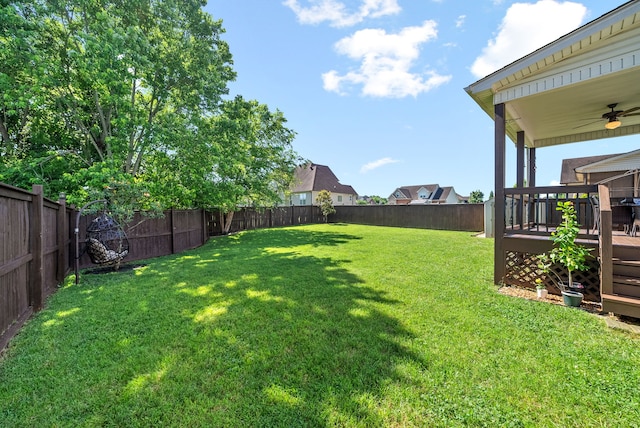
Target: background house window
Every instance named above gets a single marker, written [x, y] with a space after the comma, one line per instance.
[339, 198]
[303, 199]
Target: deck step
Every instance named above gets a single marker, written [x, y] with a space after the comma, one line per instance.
[627, 280]
[626, 267]
[621, 305]
[618, 261]
[625, 252]
[626, 285]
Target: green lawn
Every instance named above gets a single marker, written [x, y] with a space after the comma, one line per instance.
[322, 325]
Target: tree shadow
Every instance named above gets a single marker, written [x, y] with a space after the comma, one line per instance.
[245, 330]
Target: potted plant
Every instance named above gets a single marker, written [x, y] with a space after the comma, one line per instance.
[568, 253]
[541, 289]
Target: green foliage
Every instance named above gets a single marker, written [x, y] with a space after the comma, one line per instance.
[566, 251]
[96, 93]
[379, 200]
[326, 203]
[323, 325]
[476, 197]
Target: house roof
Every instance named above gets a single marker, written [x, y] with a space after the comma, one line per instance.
[412, 192]
[314, 178]
[569, 175]
[573, 169]
[559, 93]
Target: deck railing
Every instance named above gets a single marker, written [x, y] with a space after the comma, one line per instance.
[532, 210]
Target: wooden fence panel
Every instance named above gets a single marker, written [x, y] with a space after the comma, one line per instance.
[251, 218]
[460, 217]
[15, 259]
[149, 237]
[187, 229]
[50, 248]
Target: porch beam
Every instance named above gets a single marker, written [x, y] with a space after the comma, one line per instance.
[499, 260]
[531, 167]
[520, 159]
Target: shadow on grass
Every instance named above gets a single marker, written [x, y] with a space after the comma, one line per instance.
[246, 331]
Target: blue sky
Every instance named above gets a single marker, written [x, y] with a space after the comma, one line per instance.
[375, 88]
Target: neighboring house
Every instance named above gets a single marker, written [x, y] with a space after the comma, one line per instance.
[425, 194]
[620, 171]
[310, 179]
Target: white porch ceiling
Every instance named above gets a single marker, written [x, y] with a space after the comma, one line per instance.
[557, 94]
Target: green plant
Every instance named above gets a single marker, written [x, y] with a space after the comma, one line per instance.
[539, 284]
[326, 203]
[566, 250]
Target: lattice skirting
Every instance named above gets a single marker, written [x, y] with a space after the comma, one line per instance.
[522, 270]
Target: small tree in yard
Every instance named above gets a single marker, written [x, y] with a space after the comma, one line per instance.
[476, 197]
[566, 251]
[326, 203]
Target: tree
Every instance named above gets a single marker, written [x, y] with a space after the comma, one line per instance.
[21, 68]
[326, 203]
[126, 74]
[379, 200]
[250, 159]
[476, 197]
[103, 93]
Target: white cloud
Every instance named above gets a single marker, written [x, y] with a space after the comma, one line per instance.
[460, 21]
[385, 63]
[336, 13]
[525, 28]
[377, 164]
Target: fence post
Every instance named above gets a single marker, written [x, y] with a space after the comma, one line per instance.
[37, 210]
[63, 234]
[173, 231]
[205, 227]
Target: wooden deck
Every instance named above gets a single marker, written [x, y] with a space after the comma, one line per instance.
[621, 238]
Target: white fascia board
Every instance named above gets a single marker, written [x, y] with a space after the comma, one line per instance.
[625, 161]
[557, 50]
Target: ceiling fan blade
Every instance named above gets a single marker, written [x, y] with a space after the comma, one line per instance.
[626, 112]
[587, 124]
[632, 114]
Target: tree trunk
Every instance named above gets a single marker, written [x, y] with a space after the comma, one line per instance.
[225, 221]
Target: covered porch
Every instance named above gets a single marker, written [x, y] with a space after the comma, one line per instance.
[582, 87]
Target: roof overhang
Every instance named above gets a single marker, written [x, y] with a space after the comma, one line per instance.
[558, 93]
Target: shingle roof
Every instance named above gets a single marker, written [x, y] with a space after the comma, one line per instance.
[411, 192]
[568, 173]
[314, 177]
[439, 193]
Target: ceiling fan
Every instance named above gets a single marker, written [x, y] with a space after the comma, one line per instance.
[613, 116]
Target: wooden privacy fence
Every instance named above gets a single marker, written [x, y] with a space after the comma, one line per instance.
[460, 217]
[37, 248]
[34, 254]
[252, 218]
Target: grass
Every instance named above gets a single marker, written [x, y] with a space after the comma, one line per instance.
[323, 325]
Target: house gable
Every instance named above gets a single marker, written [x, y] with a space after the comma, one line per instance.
[588, 170]
[312, 178]
[424, 194]
[622, 162]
